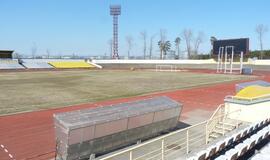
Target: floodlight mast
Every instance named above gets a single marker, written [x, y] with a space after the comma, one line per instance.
[115, 11]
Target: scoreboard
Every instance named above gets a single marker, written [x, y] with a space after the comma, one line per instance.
[240, 45]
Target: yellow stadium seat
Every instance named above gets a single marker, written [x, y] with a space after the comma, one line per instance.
[253, 92]
[71, 64]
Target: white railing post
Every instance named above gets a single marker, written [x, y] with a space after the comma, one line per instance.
[187, 141]
[223, 132]
[206, 132]
[162, 149]
[130, 155]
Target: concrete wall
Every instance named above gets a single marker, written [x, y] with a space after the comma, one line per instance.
[249, 113]
[122, 61]
[259, 62]
[195, 64]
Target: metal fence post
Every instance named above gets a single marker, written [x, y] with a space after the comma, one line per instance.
[162, 149]
[130, 155]
[187, 141]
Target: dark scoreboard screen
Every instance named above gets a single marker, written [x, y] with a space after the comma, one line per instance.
[240, 45]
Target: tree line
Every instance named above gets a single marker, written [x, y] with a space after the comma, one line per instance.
[191, 40]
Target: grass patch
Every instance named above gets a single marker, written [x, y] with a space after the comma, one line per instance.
[29, 91]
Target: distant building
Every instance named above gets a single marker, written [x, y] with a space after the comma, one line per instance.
[6, 54]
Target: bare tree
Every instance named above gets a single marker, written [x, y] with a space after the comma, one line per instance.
[177, 44]
[48, 53]
[74, 55]
[188, 36]
[34, 50]
[144, 36]
[60, 55]
[261, 30]
[16, 55]
[129, 41]
[198, 41]
[212, 39]
[162, 41]
[110, 42]
[151, 45]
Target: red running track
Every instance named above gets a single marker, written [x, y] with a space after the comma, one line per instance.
[30, 136]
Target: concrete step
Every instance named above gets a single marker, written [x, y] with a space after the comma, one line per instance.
[225, 123]
[219, 131]
[233, 121]
[226, 127]
[215, 135]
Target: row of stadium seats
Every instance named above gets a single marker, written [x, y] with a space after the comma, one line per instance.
[10, 64]
[71, 64]
[36, 65]
[248, 144]
[264, 153]
[43, 64]
[230, 147]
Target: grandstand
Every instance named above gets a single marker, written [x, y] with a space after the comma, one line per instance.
[10, 64]
[71, 64]
[6, 61]
[35, 64]
[235, 131]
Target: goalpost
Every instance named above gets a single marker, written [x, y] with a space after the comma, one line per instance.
[228, 65]
[166, 67]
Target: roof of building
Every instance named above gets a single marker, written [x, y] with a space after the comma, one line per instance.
[6, 51]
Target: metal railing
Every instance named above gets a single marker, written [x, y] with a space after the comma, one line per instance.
[175, 144]
[217, 116]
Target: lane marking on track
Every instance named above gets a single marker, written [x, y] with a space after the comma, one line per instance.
[6, 150]
[10, 155]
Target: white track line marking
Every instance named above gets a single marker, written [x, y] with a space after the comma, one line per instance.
[10, 155]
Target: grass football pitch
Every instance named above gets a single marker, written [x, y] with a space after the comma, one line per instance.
[30, 91]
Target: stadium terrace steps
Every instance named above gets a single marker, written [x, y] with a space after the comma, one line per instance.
[223, 128]
[10, 64]
[35, 64]
[71, 64]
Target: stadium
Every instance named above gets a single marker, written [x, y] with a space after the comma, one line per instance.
[132, 108]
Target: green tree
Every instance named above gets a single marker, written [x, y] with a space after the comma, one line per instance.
[164, 48]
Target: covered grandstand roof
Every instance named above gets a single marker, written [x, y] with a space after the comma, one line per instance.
[6, 53]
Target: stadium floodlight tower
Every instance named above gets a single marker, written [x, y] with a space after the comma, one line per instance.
[115, 11]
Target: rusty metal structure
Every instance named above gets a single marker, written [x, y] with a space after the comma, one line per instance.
[115, 11]
[82, 133]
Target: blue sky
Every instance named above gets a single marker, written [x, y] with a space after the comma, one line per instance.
[84, 26]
